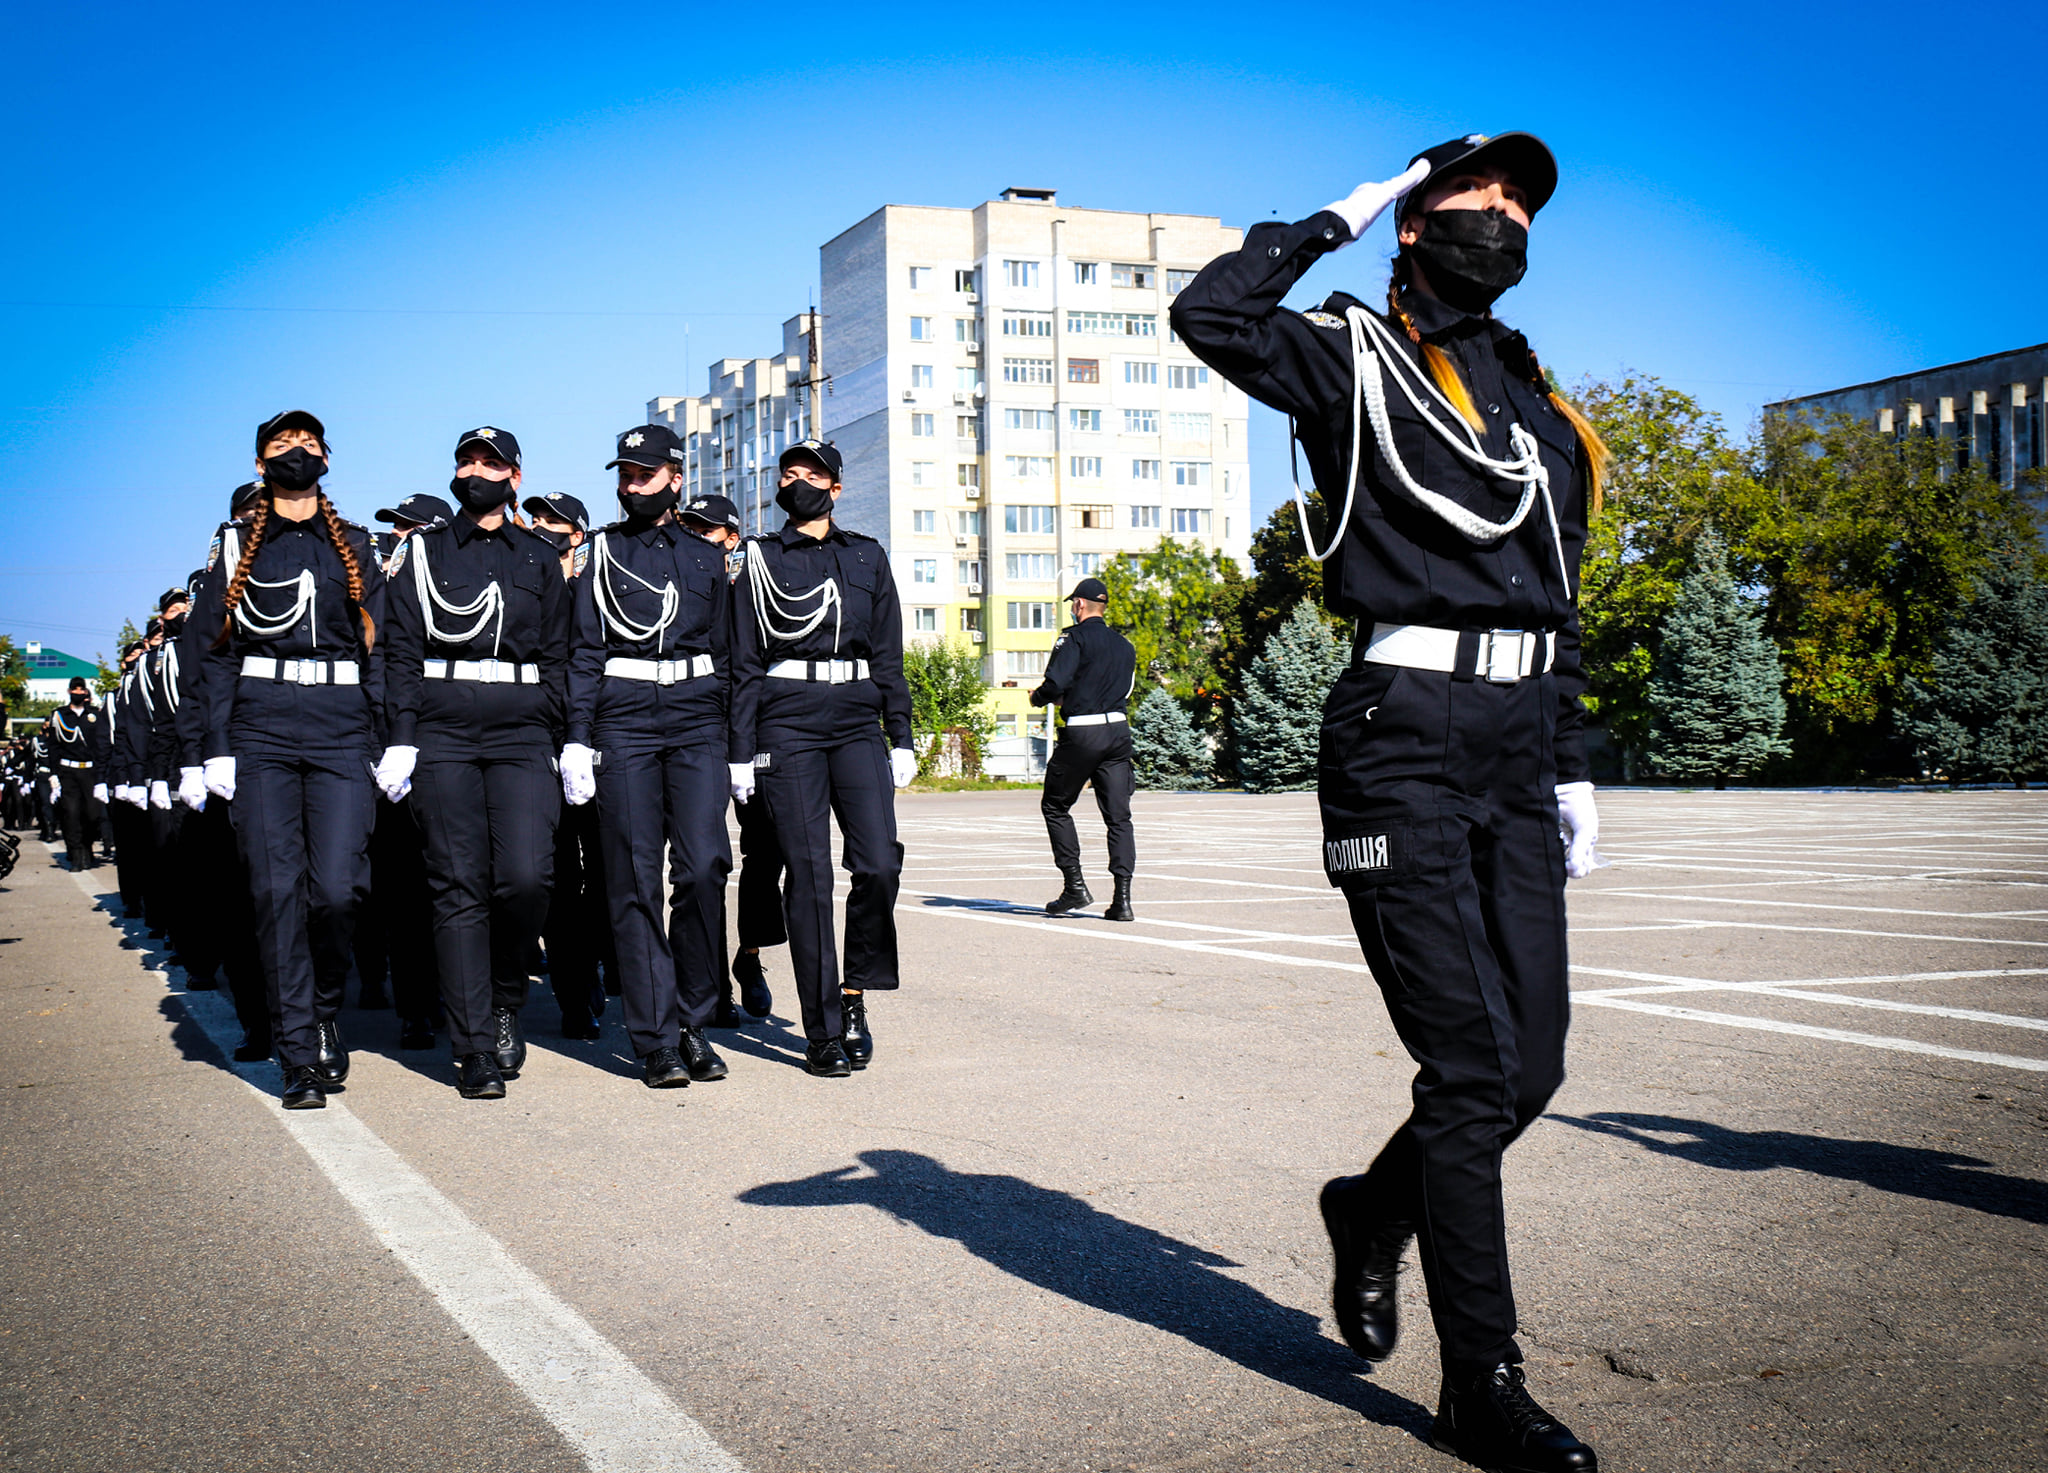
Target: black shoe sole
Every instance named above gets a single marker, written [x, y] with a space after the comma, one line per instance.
[1445, 1445]
[1345, 1269]
[487, 1092]
[669, 1081]
[830, 1072]
[860, 1063]
[513, 1072]
[305, 1102]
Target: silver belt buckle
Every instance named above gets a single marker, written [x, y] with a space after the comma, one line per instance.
[842, 671]
[1499, 642]
[664, 672]
[308, 672]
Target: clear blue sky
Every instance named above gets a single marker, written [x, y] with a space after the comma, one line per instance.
[415, 218]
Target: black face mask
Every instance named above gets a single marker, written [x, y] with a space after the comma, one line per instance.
[1471, 256]
[649, 506]
[173, 625]
[559, 541]
[805, 502]
[79, 698]
[298, 469]
[481, 495]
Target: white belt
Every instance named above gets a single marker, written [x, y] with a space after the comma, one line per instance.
[661, 672]
[487, 672]
[1505, 655]
[303, 672]
[67, 762]
[836, 672]
[1100, 719]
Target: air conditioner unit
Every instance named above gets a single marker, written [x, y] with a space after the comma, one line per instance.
[973, 493]
[974, 636]
[974, 588]
[963, 399]
[972, 347]
[962, 542]
[910, 396]
[973, 297]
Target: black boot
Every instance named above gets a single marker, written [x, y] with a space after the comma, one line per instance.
[701, 1059]
[1368, 1255]
[1491, 1419]
[302, 1089]
[1120, 903]
[858, 1042]
[827, 1060]
[754, 994]
[477, 1077]
[330, 1059]
[510, 1047]
[1073, 897]
[665, 1069]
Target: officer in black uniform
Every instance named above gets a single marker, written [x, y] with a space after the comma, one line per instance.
[1089, 677]
[479, 645]
[79, 747]
[717, 521]
[128, 711]
[165, 885]
[1453, 748]
[650, 686]
[818, 680]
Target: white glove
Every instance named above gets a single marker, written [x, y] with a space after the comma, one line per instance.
[742, 775]
[1366, 203]
[579, 775]
[99, 792]
[134, 793]
[902, 766]
[394, 771]
[160, 794]
[1578, 823]
[220, 777]
[56, 789]
[192, 787]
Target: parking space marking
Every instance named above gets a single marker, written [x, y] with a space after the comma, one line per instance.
[1807, 1030]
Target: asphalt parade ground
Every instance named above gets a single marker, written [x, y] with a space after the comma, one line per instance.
[1786, 1213]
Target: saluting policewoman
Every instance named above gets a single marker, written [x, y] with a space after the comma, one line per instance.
[649, 689]
[292, 687]
[817, 682]
[1452, 748]
[479, 640]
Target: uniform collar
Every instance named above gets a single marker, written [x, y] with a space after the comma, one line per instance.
[655, 532]
[467, 531]
[790, 537]
[1437, 320]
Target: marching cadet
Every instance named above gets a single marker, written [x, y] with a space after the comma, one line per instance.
[1453, 747]
[293, 677]
[817, 677]
[649, 692]
[43, 768]
[1090, 676]
[79, 748]
[478, 639]
[578, 926]
[127, 813]
[717, 521]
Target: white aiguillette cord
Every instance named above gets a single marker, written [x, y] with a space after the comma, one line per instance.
[608, 610]
[488, 605]
[1369, 372]
[261, 626]
[771, 602]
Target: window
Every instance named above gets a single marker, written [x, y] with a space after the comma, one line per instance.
[1033, 616]
[969, 522]
[1145, 516]
[924, 621]
[1191, 473]
[1027, 324]
[1088, 564]
[924, 521]
[1144, 470]
[920, 278]
[1021, 274]
[1187, 426]
[1177, 282]
[1028, 468]
[1087, 273]
[1095, 518]
[1140, 371]
[1028, 419]
[1027, 662]
[1141, 421]
[1190, 521]
[1138, 276]
[1084, 370]
[1114, 324]
[969, 475]
[924, 473]
[1085, 467]
[970, 621]
[1088, 421]
[921, 330]
[1186, 376]
[1030, 519]
[967, 426]
[966, 380]
[1027, 370]
[924, 570]
[1031, 567]
[920, 375]
[966, 329]
[922, 425]
[970, 573]
[963, 281]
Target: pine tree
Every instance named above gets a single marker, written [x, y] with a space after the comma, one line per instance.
[1166, 750]
[1277, 721]
[1982, 712]
[1717, 698]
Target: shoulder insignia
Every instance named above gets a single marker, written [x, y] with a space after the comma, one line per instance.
[579, 559]
[213, 553]
[1060, 641]
[1323, 319]
[397, 561]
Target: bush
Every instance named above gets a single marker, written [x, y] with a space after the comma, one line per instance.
[1166, 750]
[1277, 721]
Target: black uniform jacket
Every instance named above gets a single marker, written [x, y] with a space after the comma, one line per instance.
[1398, 562]
[794, 715]
[273, 717]
[133, 707]
[618, 713]
[167, 677]
[79, 735]
[469, 718]
[1090, 672]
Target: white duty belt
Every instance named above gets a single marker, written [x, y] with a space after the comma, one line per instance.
[67, 762]
[1505, 655]
[1100, 718]
[833, 672]
[302, 672]
[661, 672]
[485, 672]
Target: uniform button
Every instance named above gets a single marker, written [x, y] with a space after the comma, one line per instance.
[1328, 233]
[1493, 409]
[1272, 250]
[1515, 579]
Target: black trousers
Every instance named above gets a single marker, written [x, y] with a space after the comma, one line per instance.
[761, 868]
[396, 939]
[671, 799]
[128, 827]
[1440, 825]
[1100, 755]
[164, 888]
[222, 932]
[46, 810]
[489, 824]
[803, 792]
[303, 827]
[78, 813]
[579, 917]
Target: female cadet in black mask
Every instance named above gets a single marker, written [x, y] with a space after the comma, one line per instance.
[1452, 748]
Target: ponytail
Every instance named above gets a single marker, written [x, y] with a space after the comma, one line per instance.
[354, 570]
[259, 522]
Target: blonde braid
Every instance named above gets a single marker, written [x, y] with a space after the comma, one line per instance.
[259, 522]
[351, 566]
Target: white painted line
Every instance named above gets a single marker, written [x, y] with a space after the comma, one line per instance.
[1849, 931]
[1960, 1015]
[1886, 910]
[1804, 1030]
[609, 1411]
[1704, 984]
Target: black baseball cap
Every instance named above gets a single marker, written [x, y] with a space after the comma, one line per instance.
[648, 446]
[418, 511]
[291, 419]
[173, 596]
[713, 511]
[154, 626]
[244, 496]
[1092, 589]
[561, 506]
[501, 443]
[1523, 157]
[78, 683]
[136, 646]
[823, 452]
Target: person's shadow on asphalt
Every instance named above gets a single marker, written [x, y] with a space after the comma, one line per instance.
[1062, 1243]
[1909, 1171]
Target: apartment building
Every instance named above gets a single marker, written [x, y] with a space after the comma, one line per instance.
[1015, 409]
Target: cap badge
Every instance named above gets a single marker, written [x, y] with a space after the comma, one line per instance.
[483, 434]
[1323, 319]
[1475, 139]
[634, 441]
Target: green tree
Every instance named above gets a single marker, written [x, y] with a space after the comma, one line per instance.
[1717, 697]
[947, 695]
[1166, 749]
[1283, 576]
[1981, 714]
[1276, 720]
[13, 675]
[1176, 604]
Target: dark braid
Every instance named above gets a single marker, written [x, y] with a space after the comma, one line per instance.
[354, 569]
[259, 521]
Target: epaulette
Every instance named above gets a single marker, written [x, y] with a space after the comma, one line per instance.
[213, 550]
[396, 562]
[853, 536]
